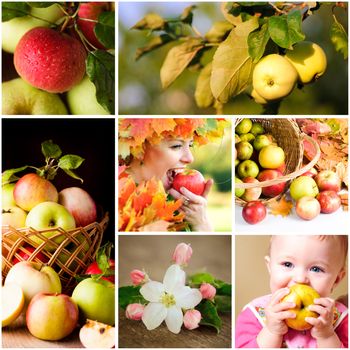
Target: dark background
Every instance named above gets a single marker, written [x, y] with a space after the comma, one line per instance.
[92, 139]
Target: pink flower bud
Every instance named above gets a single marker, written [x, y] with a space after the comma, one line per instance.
[182, 254]
[134, 311]
[207, 291]
[192, 318]
[138, 277]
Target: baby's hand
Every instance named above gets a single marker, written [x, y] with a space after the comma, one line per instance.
[322, 325]
[276, 312]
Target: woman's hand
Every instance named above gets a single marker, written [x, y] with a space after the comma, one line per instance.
[195, 206]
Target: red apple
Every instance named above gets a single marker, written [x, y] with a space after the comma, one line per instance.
[31, 189]
[251, 194]
[329, 201]
[26, 253]
[273, 190]
[328, 180]
[52, 316]
[312, 172]
[254, 212]
[191, 179]
[50, 60]
[87, 12]
[80, 204]
[93, 269]
[307, 208]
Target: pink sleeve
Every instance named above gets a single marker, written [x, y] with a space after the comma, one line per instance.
[247, 329]
[342, 332]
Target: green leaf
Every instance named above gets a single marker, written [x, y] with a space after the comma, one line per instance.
[14, 9]
[129, 295]
[151, 21]
[70, 161]
[339, 38]
[177, 59]
[153, 44]
[223, 288]
[285, 30]
[252, 4]
[42, 4]
[201, 277]
[257, 41]
[50, 149]
[104, 29]
[73, 175]
[218, 31]
[232, 65]
[209, 314]
[203, 95]
[223, 303]
[100, 66]
[226, 10]
[8, 176]
[187, 14]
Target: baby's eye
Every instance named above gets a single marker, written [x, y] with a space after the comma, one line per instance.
[316, 269]
[287, 264]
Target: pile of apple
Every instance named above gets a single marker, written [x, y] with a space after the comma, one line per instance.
[50, 46]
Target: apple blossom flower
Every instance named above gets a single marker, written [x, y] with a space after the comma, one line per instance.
[208, 291]
[182, 254]
[192, 319]
[167, 299]
[134, 311]
[138, 277]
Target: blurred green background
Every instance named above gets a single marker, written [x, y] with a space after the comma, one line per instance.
[214, 161]
[140, 90]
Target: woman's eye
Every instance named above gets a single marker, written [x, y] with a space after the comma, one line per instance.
[316, 269]
[287, 264]
[176, 146]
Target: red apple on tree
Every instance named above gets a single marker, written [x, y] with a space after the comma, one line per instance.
[80, 204]
[273, 190]
[328, 180]
[329, 201]
[50, 60]
[51, 316]
[31, 189]
[307, 208]
[254, 212]
[191, 179]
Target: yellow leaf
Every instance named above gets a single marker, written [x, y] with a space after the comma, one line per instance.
[280, 207]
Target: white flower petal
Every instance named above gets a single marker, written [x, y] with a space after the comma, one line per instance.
[174, 319]
[152, 291]
[187, 298]
[174, 277]
[153, 315]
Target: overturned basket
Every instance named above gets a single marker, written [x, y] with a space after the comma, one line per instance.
[288, 136]
[76, 249]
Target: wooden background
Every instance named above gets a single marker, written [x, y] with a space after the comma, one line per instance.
[153, 253]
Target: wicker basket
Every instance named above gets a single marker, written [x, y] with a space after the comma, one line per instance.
[289, 137]
[77, 249]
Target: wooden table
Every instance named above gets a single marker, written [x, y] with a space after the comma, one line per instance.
[211, 253]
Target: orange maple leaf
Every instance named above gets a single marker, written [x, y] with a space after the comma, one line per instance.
[280, 207]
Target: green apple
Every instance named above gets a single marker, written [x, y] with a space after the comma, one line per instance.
[274, 77]
[249, 137]
[51, 316]
[237, 138]
[50, 215]
[239, 191]
[34, 278]
[95, 299]
[257, 129]
[247, 168]
[14, 29]
[261, 141]
[244, 150]
[309, 60]
[18, 97]
[7, 196]
[82, 99]
[243, 126]
[303, 186]
[12, 302]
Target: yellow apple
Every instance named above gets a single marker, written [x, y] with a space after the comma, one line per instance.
[303, 296]
[274, 77]
[12, 303]
[271, 157]
[309, 60]
[257, 98]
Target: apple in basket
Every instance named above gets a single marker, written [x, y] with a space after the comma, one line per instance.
[273, 190]
[13, 216]
[26, 252]
[93, 269]
[80, 204]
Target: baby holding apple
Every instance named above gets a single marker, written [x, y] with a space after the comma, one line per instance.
[298, 263]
